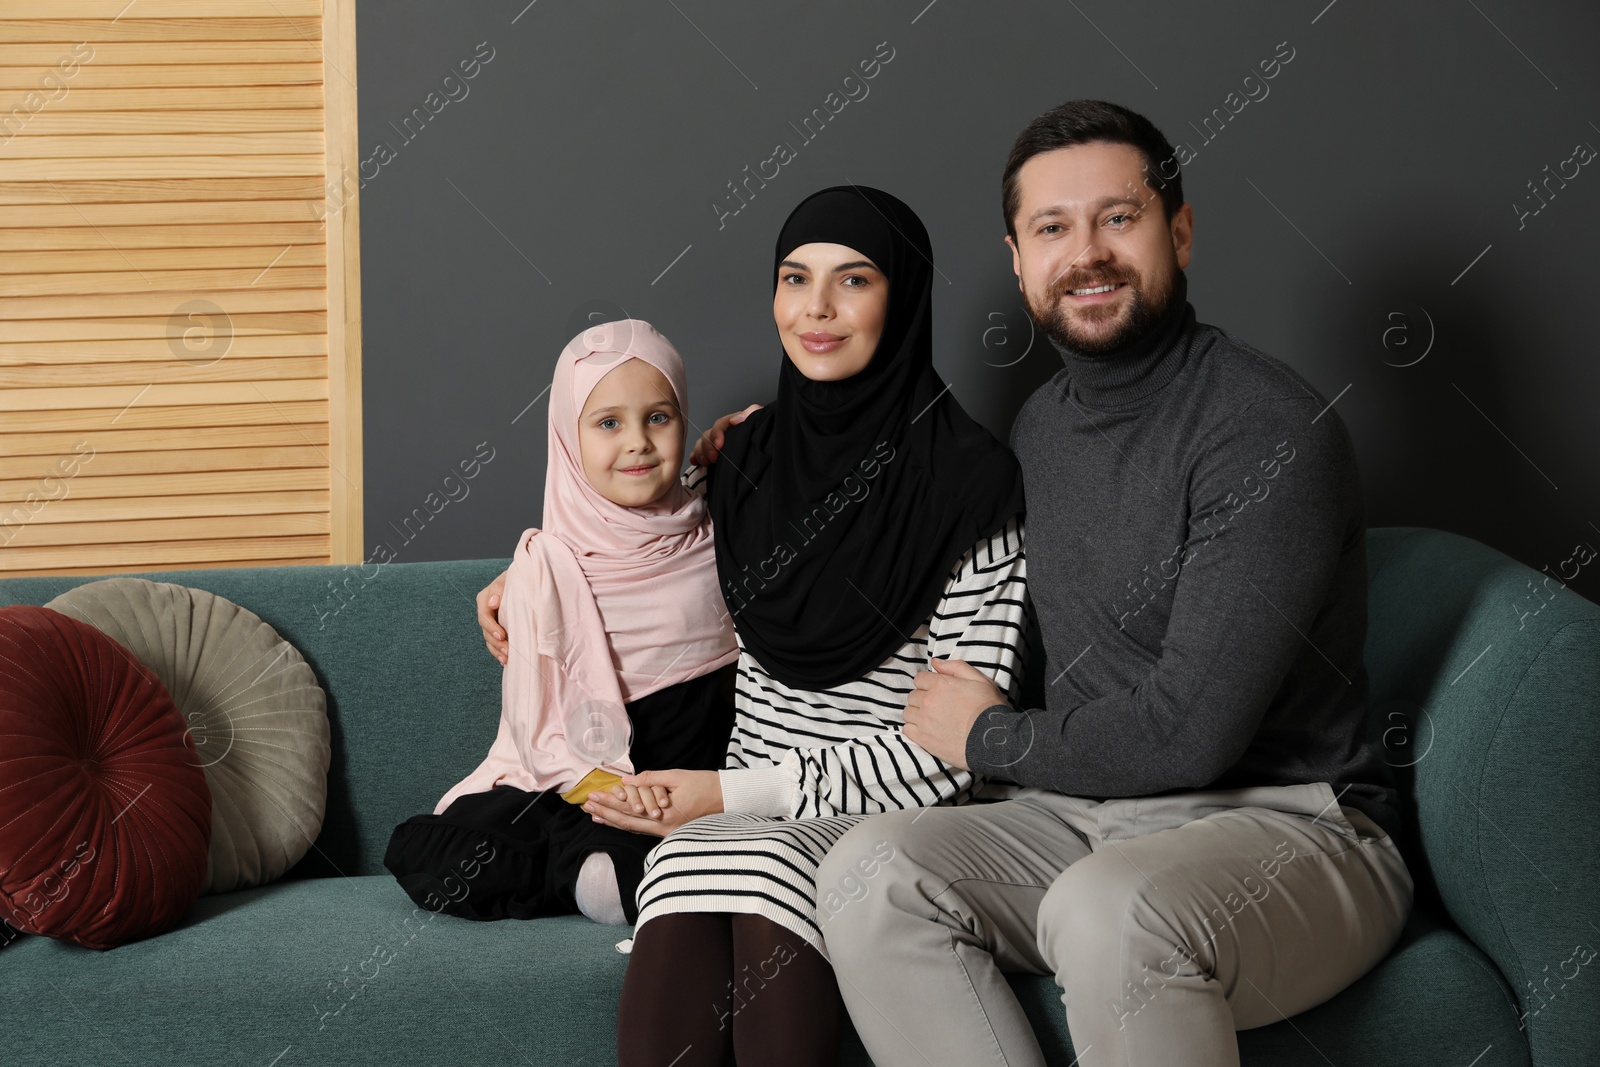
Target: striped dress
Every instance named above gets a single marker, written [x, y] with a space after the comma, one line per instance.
[804, 766]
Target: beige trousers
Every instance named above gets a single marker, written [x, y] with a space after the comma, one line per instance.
[1168, 922]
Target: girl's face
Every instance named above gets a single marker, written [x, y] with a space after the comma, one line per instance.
[829, 306]
[630, 435]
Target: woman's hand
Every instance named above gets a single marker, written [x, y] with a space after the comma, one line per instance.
[489, 619]
[708, 447]
[638, 798]
[690, 794]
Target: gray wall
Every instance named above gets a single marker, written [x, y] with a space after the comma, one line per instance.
[1362, 212]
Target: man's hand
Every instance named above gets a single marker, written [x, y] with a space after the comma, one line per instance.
[489, 619]
[943, 706]
[690, 794]
[707, 448]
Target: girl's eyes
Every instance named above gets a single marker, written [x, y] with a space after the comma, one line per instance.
[657, 418]
[790, 277]
[857, 278]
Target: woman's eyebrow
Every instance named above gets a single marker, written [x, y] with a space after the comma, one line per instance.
[856, 264]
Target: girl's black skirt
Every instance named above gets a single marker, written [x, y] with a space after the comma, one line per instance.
[511, 854]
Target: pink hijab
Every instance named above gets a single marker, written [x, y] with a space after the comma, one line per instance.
[606, 603]
[653, 570]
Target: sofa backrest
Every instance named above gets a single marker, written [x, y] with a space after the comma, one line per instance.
[1485, 684]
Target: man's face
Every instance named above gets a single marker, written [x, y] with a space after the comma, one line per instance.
[1094, 254]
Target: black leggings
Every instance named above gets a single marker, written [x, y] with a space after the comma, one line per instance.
[703, 986]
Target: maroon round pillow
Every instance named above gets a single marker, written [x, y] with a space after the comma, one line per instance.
[105, 815]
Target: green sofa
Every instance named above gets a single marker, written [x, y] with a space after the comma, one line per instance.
[1489, 709]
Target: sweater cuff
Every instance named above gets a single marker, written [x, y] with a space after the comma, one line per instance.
[770, 791]
[1000, 738]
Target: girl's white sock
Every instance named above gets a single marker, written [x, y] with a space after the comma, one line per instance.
[598, 896]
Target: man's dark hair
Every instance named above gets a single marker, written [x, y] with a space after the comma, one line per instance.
[1081, 122]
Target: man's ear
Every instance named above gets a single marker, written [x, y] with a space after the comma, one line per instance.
[1016, 261]
[1183, 235]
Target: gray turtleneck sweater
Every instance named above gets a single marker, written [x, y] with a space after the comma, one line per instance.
[1196, 558]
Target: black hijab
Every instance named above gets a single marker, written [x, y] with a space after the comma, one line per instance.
[841, 508]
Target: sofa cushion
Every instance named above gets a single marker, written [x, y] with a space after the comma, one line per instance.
[345, 969]
[340, 970]
[256, 714]
[105, 816]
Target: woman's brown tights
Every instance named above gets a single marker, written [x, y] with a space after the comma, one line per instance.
[701, 986]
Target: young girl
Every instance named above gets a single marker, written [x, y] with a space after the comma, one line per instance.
[617, 638]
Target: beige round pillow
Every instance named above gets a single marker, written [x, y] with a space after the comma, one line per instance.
[255, 712]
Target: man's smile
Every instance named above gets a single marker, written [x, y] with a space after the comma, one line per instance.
[1097, 293]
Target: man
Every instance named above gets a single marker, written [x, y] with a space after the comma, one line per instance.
[1203, 839]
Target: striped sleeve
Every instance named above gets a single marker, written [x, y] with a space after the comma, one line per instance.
[980, 618]
[988, 627]
[694, 479]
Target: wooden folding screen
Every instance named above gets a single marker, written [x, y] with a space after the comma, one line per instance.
[180, 342]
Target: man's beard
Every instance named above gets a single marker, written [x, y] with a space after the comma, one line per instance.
[1140, 315]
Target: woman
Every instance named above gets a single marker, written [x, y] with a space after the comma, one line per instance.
[845, 522]
[864, 525]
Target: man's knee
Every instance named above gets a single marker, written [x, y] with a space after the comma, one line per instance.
[858, 864]
[1104, 932]
[868, 869]
[1082, 914]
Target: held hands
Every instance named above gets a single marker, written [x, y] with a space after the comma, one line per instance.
[944, 704]
[638, 800]
[654, 802]
[489, 619]
[665, 801]
[708, 447]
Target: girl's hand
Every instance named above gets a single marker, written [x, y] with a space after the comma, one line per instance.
[690, 794]
[707, 448]
[648, 800]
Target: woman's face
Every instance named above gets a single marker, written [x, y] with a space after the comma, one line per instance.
[829, 306]
[631, 435]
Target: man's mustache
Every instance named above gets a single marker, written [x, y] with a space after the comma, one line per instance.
[1070, 283]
